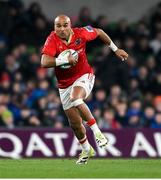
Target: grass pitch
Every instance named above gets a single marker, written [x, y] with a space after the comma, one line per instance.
[66, 168]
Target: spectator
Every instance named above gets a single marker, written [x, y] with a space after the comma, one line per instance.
[148, 116]
[134, 120]
[6, 117]
[142, 29]
[97, 113]
[123, 30]
[157, 122]
[151, 67]
[100, 98]
[157, 103]
[129, 44]
[115, 95]
[134, 90]
[84, 17]
[155, 86]
[143, 78]
[108, 121]
[143, 49]
[155, 20]
[121, 112]
[155, 44]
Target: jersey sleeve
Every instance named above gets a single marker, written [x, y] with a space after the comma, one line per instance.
[49, 47]
[89, 33]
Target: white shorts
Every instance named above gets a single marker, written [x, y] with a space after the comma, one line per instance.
[86, 81]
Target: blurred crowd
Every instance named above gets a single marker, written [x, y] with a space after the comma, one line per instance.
[125, 94]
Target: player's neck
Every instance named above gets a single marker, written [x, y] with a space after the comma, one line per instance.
[68, 39]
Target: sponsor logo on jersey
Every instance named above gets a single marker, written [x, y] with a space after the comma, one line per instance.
[78, 41]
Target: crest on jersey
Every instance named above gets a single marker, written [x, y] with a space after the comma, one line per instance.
[89, 28]
[77, 41]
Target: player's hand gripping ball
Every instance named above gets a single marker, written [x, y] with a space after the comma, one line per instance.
[65, 54]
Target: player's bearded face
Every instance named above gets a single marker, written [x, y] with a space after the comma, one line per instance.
[63, 29]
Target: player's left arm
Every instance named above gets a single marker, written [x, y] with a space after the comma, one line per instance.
[107, 40]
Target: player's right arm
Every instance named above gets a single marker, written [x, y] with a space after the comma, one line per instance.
[49, 58]
[49, 61]
[48, 51]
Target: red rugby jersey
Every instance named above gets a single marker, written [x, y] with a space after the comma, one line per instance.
[54, 46]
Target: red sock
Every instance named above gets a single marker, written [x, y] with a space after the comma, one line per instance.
[91, 122]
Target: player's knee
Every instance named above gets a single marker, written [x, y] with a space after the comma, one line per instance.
[73, 97]
[77, 102]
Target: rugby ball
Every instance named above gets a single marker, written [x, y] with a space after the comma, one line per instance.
[65, 53]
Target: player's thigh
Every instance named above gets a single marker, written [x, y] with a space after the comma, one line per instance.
[78, 92]
[83, 86]
[65, 97]
[73, 115]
